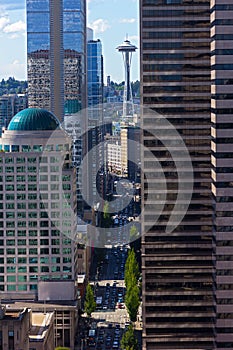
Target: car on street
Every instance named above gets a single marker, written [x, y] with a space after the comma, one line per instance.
[101, 339]
[115, 345]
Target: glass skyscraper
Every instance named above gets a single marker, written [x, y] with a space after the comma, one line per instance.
[94, 73]
[56, 49]
[95, 111]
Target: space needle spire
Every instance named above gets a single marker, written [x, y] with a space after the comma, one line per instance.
[127, 50]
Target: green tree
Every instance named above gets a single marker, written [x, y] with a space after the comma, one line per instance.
[133, 233]
[131, 270]
[90, 304]
[106, 216]
[132, 302]
[135, 242]
[135, 88]
[128, 341]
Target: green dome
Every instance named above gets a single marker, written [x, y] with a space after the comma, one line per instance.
[33, 119]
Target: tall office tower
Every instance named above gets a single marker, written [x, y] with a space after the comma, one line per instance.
[9, 106]
[222, 158]
[94, 75]
[73, 126]
[56, 49]
[95, 113]
[38, 205]
[177, 267]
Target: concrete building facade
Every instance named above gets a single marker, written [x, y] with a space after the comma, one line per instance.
[38, 205]
[15, 324]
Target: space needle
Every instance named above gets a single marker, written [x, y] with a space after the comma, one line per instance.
[127, 50]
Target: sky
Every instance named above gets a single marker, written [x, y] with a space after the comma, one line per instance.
[111, 20]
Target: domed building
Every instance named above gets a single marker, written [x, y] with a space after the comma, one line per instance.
[33, 119]
[31, 129]
[38, 204]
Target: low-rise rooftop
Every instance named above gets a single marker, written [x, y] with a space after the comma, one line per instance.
[40, 325]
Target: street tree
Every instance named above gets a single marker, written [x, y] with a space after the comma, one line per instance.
[90, 304]
[131, 269]
[106, 216]
[132, 302]
[128, 341]
[135, 241]
[133, 233]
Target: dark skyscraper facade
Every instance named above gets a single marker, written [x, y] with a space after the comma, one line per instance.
[177, 267]
[222, 160]
[56, 49]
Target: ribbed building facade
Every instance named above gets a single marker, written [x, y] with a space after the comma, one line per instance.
[177, 267]
[222, 160]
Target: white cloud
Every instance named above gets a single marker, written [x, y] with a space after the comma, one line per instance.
[127, 20]
[12, 30]
[4, 21]
[16, 27]
[133, 37]
[99, 25]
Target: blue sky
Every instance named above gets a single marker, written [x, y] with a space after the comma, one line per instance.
[111, 20]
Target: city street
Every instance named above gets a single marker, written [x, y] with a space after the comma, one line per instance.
[111, 318]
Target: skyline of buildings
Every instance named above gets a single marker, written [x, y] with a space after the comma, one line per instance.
[186, 67]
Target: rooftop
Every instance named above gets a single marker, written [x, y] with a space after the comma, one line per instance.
[33, 119]
[40, 325]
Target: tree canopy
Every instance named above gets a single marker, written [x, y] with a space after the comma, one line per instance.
[132, 302]
[107, 220]
[90, 304]
[12, 86]
[132, 299]
[131, 269]
[128, 341]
